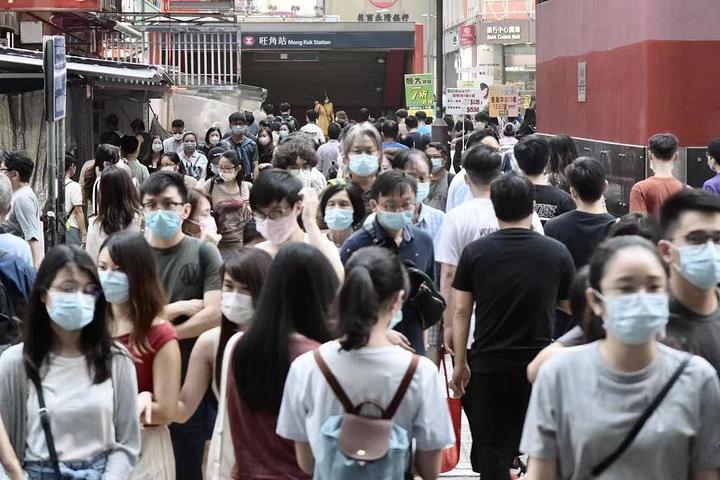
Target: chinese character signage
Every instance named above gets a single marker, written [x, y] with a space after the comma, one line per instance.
[419, 91]
[463, 101]
[504, 101]
[383, 17]
[325, 41]
[467, 35]
[506, 32]
[582, 82]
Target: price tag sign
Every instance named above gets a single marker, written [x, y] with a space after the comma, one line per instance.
[463, 101]
[504, 101]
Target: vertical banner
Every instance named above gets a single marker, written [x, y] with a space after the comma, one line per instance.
[419, 91]
[582, 82]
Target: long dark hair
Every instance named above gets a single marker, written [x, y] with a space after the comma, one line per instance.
[249, 266]
[266, 151]
[133, 256]
[175, 158]
[296, 298]
[105, 153]
[563, 151]
[373, 276]
[38, 336]
[118, 203]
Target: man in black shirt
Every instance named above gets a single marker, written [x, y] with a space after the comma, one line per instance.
[583, 229]
[532, 154]
[516, 278]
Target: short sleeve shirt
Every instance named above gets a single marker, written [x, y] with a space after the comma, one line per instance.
[73, 198]
[551, 201]
[24, 219]
[647, 195]
[580, 410]
[694, 333]
[580, 232]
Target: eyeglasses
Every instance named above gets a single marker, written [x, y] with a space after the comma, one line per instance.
[164, 205]
[701, 237]
[71, 287]
[275, 214]
[226, 169]
[397, 208]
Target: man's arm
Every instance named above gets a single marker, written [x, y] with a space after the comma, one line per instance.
[461, 330]
[80, 219]
[637, 201]
[204, 320]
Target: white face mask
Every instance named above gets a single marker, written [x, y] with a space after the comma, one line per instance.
[264, 140]
[169, 168]
[237, 307]
[214, 139]
[157, 147]
[178, 136]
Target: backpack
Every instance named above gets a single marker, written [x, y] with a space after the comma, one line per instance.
[354, 446]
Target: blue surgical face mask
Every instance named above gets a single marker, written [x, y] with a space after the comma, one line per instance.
[163, 224]
[395, 220]
[238, 129]
[396, 318]
[437, 164]
[635, 318]
[283, 133]
[338, 218]
[700, 264]
[115, 286]
[423, 190]
[71, 311]
[363, 164]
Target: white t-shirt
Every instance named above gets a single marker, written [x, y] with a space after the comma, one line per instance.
[367, 374]
[73, 198]
[81, 414]
[458, 191]
[314, 131]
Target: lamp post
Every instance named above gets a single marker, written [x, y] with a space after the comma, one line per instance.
[439, 127]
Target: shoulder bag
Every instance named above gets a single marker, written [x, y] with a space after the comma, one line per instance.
[45, 421]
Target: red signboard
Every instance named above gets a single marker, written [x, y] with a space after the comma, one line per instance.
[50, 5]
[467, 35]
[383, 3]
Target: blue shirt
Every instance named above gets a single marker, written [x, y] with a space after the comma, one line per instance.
[416, 246]
[430, 221]
[247, 151]
[394, 145]
[713, 185]
[17, 246]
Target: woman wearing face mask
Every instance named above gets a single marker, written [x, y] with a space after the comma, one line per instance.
[118, 209]
[440, 178]
[200, 223]
[292, 317]
[617, 379]
[212, 140]
[278, 201]
[265, 144]
[152, 161]
[285, 130]
[325, 113]
[361, 152]
[86, 382]
[132, 288]
[342, 210]
[194, 161]
[416, 164]
[243, 275]
[297, 155]
[170, 162]
[229, 196]
[368, 367]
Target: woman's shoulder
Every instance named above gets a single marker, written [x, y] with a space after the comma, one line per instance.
[160, 333]
[12, 357]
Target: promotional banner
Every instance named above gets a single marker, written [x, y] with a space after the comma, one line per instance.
[419, 91]
[463, 101]
[504, 101]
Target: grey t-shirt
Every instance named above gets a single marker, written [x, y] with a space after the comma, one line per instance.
[24, 218]
[580, 411]
[698, 334]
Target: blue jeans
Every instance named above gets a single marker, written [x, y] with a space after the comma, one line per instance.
[84, 470]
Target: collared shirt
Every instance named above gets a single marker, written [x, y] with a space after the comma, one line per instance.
[195, 164]
[247, 151]
[430, 221]
[172, 145]
[328, 154]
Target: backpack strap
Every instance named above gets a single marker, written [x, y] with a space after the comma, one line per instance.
[404, 384]
[334, 384]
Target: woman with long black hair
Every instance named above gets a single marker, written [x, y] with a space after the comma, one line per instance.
[69, 370]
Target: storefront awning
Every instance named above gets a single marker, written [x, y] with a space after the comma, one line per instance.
[16, 63]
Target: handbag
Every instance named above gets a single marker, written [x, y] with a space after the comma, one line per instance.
[45, 421]
[598, 469]
[451, 455]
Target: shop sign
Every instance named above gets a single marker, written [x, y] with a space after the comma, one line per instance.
[504, 101]
[467, 35]
[506, 32]
[419, 91]
[383, 17]
[463, 101]
[582, 81]
[330, 40]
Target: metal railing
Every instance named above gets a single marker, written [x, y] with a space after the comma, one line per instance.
[191, 58]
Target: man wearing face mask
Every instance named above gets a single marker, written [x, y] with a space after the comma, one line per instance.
[246, 149]
[189, 270]
[175, 143]
[690, 220]
[297, 155]
[393, 198]
[195, 162]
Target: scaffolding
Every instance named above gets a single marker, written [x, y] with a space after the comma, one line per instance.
[499, 10]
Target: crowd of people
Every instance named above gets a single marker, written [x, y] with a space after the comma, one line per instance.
[272, 301]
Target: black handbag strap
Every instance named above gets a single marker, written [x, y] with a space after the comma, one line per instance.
[45, 421]
[612, 458]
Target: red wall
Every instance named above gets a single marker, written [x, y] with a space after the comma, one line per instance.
[649, 69]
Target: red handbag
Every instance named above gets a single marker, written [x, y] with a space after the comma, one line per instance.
[451, 455]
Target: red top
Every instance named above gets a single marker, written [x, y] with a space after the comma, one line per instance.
[158, 336]
[259, 452]
[649, 194]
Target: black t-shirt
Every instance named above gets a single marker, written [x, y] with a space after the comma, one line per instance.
[580, 232]
[516, 277]
[694, 333]
[551, 201]
[421, 141]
